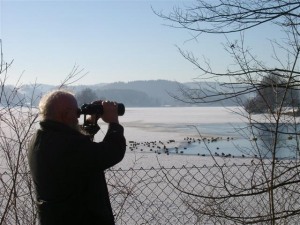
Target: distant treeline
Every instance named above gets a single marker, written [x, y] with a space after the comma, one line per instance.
[152, 93]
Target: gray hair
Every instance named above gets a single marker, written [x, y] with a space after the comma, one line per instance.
[49, 103]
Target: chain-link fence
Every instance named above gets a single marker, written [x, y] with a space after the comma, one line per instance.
[236, 194]
[257, 193]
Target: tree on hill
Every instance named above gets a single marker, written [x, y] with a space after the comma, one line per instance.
[87, 95]
[272, 94]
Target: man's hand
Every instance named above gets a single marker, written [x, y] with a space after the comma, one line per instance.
[110, 112]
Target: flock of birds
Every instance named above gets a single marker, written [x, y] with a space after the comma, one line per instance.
[171, 146]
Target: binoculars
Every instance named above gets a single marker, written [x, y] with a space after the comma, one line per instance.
[90, 109]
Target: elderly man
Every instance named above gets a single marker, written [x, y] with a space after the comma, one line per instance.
[67, 167]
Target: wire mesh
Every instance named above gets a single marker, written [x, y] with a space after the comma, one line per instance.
[235, 194]
[256, 193]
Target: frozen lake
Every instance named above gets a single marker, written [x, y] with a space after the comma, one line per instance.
[201, 131]
[173, 122]
[148, 124]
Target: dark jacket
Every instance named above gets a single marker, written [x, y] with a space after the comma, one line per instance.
[68, 172]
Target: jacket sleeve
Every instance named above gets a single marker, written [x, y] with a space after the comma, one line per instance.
[114, 143]
[104, 154]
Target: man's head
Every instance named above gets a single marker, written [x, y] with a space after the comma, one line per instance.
[60, 106]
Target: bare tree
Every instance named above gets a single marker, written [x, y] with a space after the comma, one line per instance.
[18, 120]
[270, 97]
[271, 186]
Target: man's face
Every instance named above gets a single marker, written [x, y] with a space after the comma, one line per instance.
[72, 114]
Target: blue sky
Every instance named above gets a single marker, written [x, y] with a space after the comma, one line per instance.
[111, 40]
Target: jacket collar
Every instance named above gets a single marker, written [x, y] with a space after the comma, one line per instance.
[56, 126]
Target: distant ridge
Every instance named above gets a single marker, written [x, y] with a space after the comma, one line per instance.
[140, 93]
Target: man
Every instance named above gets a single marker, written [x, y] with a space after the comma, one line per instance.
[68, 168]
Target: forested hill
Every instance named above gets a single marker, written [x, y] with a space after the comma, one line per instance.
[151, 93]
[153, 88]
[138, 93]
